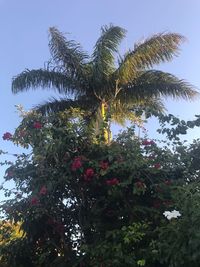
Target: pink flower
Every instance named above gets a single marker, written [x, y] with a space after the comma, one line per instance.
[37, 125]
[113, 181]
[104, 165]
[89, 173]
[157, 166]
[147, 142]
[43, 190]
[76, 164]
[34, 201]
[7, 136]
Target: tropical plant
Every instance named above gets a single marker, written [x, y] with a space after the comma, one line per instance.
[83, 204]
[105, 87]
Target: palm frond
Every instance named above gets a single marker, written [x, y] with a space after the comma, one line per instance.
[150, 106]
[54, 105]
[120, 113]
[154, 50]
[105, 47]
[45, 79]
[67, 53]
[157, 84]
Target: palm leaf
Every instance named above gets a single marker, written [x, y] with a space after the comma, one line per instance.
[56, 105]
[150, 106]
[123, 112]
[106, 46]
[67, 53]
[44, 79]
[155, 50]
[154, 83]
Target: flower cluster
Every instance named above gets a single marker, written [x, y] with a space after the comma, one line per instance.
[157, 165]
[7, 136]
[113, 181]
[43, 191]
[171, 214]
[37, 125]
[148, 143]
[76, 164]
[35, 200]
[88, 175]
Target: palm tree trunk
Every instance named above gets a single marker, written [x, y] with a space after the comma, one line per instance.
[106, 126]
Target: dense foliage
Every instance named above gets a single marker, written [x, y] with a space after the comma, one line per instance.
[87, 204]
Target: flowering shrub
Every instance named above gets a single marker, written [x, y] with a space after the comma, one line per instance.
[84, 204]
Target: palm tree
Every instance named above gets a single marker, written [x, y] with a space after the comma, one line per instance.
[102, 85]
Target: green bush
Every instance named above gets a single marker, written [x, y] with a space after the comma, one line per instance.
[89, 204]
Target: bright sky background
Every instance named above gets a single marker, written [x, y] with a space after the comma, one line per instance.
[24, 42]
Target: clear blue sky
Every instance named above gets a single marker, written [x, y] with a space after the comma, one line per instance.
[24, 41]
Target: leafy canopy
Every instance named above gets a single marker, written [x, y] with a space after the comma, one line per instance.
[122, 82]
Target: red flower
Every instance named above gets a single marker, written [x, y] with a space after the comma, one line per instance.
[43, 190]
[113, 181]
[140, 184]
[76, 164]
[34, 201]
[7, 136]
[89, 173]
[157, 166]
[104, 165]
[37, 125]
[148, 143]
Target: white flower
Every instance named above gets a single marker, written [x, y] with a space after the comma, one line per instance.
[172, 214]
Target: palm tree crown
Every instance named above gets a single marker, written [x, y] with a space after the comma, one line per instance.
[90, 81]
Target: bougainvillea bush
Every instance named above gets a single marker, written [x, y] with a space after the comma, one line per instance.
[82, 203]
